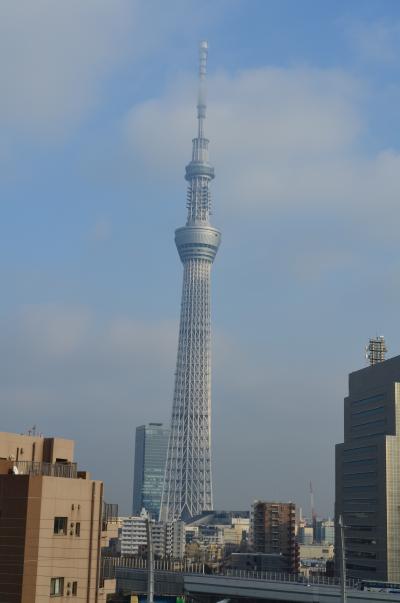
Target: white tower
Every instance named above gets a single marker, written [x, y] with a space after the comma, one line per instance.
[187, 487]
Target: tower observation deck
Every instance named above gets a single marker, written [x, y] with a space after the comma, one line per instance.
[187, 489]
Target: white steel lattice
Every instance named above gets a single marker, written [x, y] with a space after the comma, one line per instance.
[187, 487]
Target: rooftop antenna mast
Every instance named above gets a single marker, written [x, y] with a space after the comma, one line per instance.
[201, 98]
[376, 350]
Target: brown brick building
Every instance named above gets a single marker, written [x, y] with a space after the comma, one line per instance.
[273, 531]
[51, 523]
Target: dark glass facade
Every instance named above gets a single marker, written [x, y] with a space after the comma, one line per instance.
[151, 443]
[368, 474]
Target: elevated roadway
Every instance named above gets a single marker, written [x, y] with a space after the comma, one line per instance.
[209, 586]
[234, 584]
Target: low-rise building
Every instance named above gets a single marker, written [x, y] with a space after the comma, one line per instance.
[316, 551]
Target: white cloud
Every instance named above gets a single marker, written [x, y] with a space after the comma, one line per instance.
[52, 56]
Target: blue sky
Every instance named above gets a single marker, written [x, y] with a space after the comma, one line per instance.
[97, 113]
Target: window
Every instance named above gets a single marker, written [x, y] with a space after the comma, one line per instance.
[75, 588]
[378, 410]
[77, 529]
[367, 424]
[60, 525]
[56, 587]
[376, 399]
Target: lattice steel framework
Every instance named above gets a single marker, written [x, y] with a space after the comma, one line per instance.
[187, 487]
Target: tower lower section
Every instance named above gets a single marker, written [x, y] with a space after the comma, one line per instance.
[188, 481]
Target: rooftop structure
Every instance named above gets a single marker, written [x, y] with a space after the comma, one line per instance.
[376, 350]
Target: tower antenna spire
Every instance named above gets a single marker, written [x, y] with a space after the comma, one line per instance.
[201, 99]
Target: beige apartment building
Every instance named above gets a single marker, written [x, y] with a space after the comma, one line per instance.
[52, 523]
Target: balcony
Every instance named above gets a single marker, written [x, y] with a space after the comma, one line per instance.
[45, 469]
[110, 515]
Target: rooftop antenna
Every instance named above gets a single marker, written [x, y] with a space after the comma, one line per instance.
[376, 350]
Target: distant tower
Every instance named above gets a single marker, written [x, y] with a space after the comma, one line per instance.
[187, 487]
[376, 350]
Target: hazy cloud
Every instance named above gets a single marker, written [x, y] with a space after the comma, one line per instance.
[377, 40]
[101, 230]
[76, 375]
[281, 138]
[56, 57]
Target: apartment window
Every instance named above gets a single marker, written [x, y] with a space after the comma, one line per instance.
[77, 529]
[74, 588]
[60, 525]
[56, 587]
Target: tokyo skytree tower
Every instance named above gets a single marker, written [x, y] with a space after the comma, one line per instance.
[187, 487]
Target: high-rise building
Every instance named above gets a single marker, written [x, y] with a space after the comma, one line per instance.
[151, 443]
[53, 522]
[305, 534]
[188, 482]
[368, 473]
[325, 531]
[272, 529]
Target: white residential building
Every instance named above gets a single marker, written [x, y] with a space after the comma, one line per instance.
[168, 538]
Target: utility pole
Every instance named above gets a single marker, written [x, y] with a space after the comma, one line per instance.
[343, 593]
[150, 562]
[313, 513]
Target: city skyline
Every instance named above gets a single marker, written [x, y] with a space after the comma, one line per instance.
[304, 121]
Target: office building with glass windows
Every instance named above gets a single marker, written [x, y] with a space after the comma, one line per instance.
[151, 443]
[368, 473]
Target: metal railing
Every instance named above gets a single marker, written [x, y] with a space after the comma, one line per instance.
[283, 577]
[46, 469]
[111, 564]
